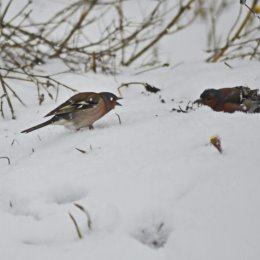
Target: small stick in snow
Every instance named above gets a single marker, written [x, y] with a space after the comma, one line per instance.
[228, 65]
[160, 227]
[86, 213]
[14, 141]
[76, 226]
[7, 158]
[148, 87]
[80, 150]
[189, 107]
[119, 119]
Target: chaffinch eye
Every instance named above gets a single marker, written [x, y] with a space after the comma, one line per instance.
[111, 99]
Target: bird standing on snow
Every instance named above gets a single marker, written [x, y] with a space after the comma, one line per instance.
[231, 99]
[81, 110]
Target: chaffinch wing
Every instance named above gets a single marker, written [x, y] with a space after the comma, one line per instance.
[77, 102]
[81, 110]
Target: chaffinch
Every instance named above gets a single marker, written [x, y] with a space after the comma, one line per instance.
[231, 99]
[81, 110]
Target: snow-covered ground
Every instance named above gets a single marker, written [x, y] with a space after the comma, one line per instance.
[153, 186]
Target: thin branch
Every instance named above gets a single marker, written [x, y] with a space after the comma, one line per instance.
[87, 215]
[243, 2]
[21, 11]
[75, 28]
[147, 87]
[48, 77]
[80, 236]
[7, 96]
[161, 34]
[119, 119]
[5, 12]
[7, 158]
[219, 54]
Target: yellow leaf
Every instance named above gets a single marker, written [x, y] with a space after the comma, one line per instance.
[257, 9]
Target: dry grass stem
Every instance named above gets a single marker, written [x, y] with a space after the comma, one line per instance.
[80, 236]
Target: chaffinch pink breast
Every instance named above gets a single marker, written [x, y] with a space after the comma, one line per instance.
[231, 99]
[81, 110]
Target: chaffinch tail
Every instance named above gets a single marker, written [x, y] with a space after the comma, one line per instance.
[81, 110]
[231, 99]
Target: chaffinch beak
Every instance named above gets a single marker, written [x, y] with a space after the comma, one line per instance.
[117, 103]
[198, 101]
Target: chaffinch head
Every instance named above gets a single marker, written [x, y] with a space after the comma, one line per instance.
[81, 110]
[231, 99]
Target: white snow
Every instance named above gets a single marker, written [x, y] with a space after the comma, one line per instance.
[154, 186]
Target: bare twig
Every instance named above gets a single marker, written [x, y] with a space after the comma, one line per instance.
[228, 65]
[119, 119]
[80, 150]
[46, 77]
[75, 28]
[153, 68]
[86, 213]
[189, 107]
[161, 34]
[219, 54]
[7, 158]
[6, 95]
[80, 236]
[1, 105]
[5, 12]
[147, 87]
[243, 2]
